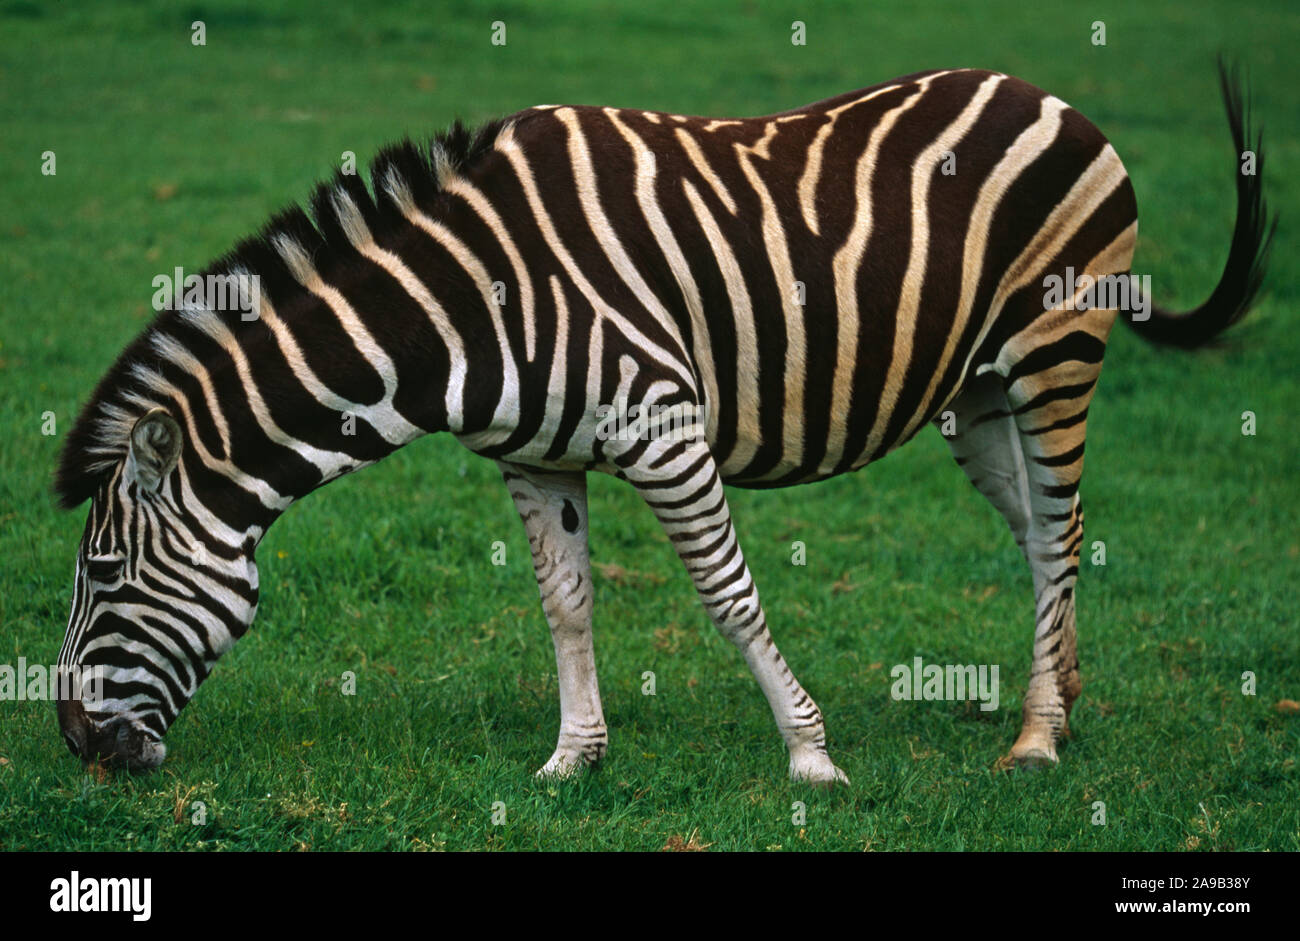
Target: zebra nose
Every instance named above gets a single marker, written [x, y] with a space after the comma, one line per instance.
[75, 725]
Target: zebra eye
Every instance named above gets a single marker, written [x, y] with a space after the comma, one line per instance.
[104, 569]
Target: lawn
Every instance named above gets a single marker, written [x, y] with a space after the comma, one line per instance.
[167, 153]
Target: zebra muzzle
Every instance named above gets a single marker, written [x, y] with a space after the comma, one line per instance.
[116, 743]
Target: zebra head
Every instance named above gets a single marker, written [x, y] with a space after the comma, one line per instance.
[159, 596]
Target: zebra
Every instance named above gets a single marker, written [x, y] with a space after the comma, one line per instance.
[812, 286]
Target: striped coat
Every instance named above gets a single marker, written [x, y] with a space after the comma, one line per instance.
[814, 286]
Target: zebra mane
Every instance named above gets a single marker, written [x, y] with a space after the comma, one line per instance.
[401, 174]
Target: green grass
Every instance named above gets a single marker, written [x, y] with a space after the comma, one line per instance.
[168, 153]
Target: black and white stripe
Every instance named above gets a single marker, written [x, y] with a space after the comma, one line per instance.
[815, 284]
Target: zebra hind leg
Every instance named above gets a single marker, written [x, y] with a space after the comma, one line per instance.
[1050, 410]
[985, 441]
[553, 507]
[680, 482]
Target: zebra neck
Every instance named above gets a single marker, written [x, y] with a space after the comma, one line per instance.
[345, 364]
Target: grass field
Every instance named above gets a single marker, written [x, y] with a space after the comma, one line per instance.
[167, 153]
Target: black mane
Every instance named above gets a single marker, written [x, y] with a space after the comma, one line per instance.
[99, 437]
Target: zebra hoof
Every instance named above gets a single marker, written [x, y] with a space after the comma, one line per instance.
[816, 768]
[563, 765]
[1032, 758]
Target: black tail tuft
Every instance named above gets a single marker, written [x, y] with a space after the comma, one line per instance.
[1251, 238]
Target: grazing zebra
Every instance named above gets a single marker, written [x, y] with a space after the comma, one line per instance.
[812, 286]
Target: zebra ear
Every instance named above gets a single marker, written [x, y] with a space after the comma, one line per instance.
[155, 449]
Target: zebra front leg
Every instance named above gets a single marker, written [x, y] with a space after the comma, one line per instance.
[682, 486]
[553, 507]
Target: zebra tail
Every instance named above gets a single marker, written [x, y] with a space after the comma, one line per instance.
[1243, 273]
